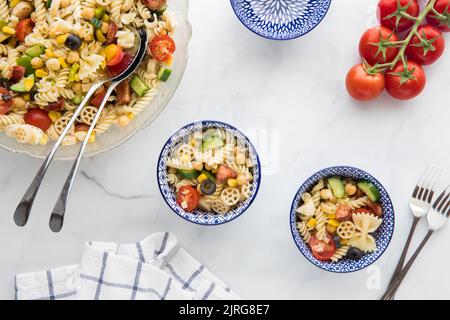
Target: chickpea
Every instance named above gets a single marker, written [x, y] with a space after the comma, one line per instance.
[326, 194]
[37, 63]
[73, 57]
[350, 189]
[77, 87]
[65, 3]
[240, 158]
[19, 102]
[241, 179]
[198, 166]
[123, 121]
[105, 27]
[53, 64]
[88, 13]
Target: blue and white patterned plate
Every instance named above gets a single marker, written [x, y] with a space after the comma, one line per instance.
[280, 19]
[382, 236]
[199, 216]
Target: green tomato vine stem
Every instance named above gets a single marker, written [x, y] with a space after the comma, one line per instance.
[404, 43]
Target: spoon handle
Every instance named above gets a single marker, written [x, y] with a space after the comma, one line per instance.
[59, 210]
[23, 210]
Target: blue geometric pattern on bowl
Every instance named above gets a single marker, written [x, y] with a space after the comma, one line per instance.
[199, 216]
[382, 236]
[280, 19]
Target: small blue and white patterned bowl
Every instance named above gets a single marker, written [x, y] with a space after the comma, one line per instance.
[199, 216]
[382, 236]
[280, 19]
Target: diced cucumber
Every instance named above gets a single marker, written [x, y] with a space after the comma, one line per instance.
[96, 23]
[337, 186]
[73, 72]
[25, 85]
[138, 86]
[164, 74]
[77, 99]
[370, 190]
[212, 142]
[48, 4]
[25, 61]
[100, 36]
[35, 51]
[189, 174]
[99, 12]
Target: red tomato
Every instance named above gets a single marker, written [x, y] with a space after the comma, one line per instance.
[17, 73]
[162, 47]
[112, 32]
[405, 83]
[389, 11]
[224, 173]
[375, 45]
[122, 66]
[362, 85]
[343, 212]
[96, 101]
[376, 208]
[443, 23]
[429, 48]
[57, 105]
[188, 198]
[5, 101]
[24, 28]
[154, 4]
[363, 210]
[322, 250]
[38, 118]
[118, 57]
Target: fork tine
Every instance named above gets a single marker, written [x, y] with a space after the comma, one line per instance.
[431, 184]
[420, 191]
[443, 202]
[439, 201]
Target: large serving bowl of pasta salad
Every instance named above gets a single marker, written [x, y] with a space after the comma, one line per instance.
[342, 219]
[51, 52]
[209, 173]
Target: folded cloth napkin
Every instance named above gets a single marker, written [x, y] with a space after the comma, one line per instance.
[155, 268]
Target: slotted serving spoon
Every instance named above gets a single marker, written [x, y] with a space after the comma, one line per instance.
[23, 210]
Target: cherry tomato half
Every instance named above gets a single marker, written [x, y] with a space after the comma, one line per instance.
[162, 47]
[322, 250]
[122, 66]
[38, 118]
[188, 198]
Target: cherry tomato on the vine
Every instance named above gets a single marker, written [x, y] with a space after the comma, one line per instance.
[377, 45]
[428, 48]
[443, 21]
[405, 83]
[391, 13]
[363, 85]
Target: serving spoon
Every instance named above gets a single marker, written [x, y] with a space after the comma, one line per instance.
[23, 210]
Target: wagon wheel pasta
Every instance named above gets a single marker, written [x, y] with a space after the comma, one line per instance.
[336, 222]
[51, 52]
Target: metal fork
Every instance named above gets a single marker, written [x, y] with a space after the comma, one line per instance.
[437, 218]
[419, 205]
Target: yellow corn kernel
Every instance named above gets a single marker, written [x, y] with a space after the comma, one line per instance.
[54, 115]
[62, 38]
[44, 140]
[331, 216]
[232, 183]
[103, 64]
[63, 63]
[344, 242]
[106, 18]
[49, 53]
[92, 138]
[169, 61]
[14, 3]
[333, 223]
[40, 73]
[9, 30]
[28, 84]
[331, 229]
[77, 78]
[131, 116]
[26, 97]
[311, 223]
[202, 178]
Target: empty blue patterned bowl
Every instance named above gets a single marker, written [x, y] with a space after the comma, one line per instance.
[382, 236]
[280, 19]
[198, 216]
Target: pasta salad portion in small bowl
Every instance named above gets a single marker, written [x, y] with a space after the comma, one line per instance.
[209, 172]
[342, 219]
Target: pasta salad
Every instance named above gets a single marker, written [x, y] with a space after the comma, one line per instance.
[52, 51]
[211, 171]
[338, 217]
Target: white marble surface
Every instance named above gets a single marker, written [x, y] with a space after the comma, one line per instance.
[293, 91]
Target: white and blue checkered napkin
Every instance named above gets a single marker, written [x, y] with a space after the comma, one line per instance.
[154, 268]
